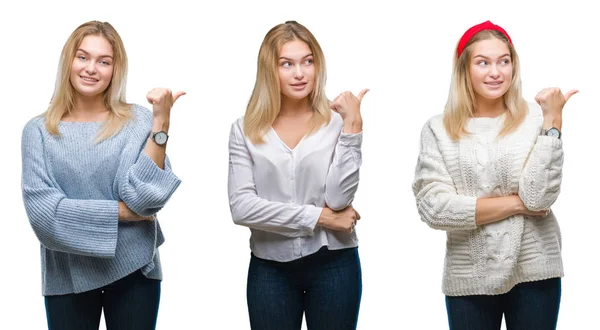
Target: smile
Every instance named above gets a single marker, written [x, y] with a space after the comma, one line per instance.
[90, 79]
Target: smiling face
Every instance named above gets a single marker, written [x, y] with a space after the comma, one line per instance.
[92, 68]
[490, 69]
[296, 70]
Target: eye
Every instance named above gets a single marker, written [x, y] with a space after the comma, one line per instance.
[103, 62]
[309, 61]
[286, 64]
[81, 57]
[482, 63]
[505, 61]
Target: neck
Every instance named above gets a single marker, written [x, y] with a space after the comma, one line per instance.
[292, 108]
[88, 108]
[489, 108]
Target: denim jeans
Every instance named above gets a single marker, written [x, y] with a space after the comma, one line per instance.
[527, 306]
[130, 303]
[326, 286]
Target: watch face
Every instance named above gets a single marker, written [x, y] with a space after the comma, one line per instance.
[161, 138]
[553, 132]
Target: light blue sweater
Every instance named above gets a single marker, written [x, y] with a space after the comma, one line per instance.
[71, 188]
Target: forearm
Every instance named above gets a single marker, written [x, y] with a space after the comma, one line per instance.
[156, 152]
[494, 209]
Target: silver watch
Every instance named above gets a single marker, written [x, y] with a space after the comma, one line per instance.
[159, 137]
[553, 131]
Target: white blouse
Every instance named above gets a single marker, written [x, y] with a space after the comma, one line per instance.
[279, 192]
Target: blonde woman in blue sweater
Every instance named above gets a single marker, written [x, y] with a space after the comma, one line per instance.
[95, 173]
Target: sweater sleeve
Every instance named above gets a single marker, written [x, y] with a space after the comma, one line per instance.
[539, 185]
[146, 188]
[343, 176]
[250, 210]
[438, 203]
[83, 227]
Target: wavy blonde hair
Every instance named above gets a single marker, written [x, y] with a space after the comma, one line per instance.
[63, 99]
[461, 98]
[265, 102]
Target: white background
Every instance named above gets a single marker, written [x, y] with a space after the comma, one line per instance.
[403, 53]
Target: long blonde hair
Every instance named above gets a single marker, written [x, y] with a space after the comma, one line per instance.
[63, 99]
[461, 98]
[265, 102]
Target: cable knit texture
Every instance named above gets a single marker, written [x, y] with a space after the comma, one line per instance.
[71, 188]
[451, 175]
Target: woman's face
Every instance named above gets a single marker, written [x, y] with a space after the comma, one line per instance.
[92, 68]
[491, 68]
[296, 70]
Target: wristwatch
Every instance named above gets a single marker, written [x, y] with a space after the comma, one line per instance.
[553, 131]
[160, 137]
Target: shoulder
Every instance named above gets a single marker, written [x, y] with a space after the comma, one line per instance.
[434, 128]
[141, 113]
[534, 118]
[534, 110]
[35, 126]
[335, 122]
[237, 128]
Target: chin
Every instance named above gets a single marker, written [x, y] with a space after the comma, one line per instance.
[89, 93]
[296, 96]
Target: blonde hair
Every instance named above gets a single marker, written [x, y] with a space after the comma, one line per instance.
[63, 99]
[461, 98]
[265, 102]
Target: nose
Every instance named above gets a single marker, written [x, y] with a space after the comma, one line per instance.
[90, 68]
[298, 72]
[494, 72]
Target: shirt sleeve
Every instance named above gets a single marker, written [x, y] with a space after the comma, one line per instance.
[343, 176]
[250, 210]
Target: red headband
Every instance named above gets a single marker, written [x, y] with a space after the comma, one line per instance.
[487, 25]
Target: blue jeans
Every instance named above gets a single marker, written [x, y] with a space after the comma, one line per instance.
[326, 286]
[527, 306]
[130, 303]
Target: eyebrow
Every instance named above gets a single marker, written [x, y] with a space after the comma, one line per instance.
[289, 59]
[507, 54]
[83, 51]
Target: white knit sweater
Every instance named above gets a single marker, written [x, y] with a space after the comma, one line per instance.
[451, 175]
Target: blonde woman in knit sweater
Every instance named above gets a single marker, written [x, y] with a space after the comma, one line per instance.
[488, 171]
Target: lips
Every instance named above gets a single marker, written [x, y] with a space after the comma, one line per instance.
[89, 79]
[302, 84]
[494, 83]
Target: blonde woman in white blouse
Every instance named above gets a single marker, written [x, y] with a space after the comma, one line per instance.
[488, 171]
[294, 162]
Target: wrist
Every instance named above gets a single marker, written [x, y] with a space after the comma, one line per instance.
[353, 124]
[325, 217]
[160, 124]
[517, 206]
[552, 121]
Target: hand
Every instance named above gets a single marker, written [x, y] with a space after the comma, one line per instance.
[126, 214]
[348, 105]
[343, 220]
[552, 102]
[162, 100]
[542, 213]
